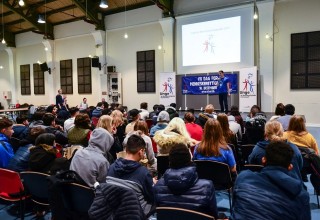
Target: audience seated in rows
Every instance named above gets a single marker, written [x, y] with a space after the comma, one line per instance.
[128, 172]
[91, 162]
[162, 122]
[289, 111]
[43, 156]
[213, 146]
[180, 186]
[6, 150]
[80, 133]
[274, 132]
[271, 193]
[298, 134]
[141, 129]
[20, 161]
[208, 113]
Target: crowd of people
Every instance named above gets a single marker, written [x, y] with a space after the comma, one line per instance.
[107, 144]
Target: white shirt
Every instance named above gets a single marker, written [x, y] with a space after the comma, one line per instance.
[68, 124]
[144, 114]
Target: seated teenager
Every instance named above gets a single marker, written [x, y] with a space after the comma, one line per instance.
[128, 172]
[271, 193]
[180, 186]
[214, 147]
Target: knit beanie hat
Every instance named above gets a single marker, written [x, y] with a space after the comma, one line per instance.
[179, 156]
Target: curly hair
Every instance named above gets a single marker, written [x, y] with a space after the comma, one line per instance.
[82, 121]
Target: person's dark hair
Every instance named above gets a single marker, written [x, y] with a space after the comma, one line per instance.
[84, 98]
[82, 121]
[73, 110]
[21, 119]
[99, 104]
[38, 115]
[279, 109]
[189, 117]
[144, 105]
[224, 123]
[113, 106]
[161, 108]
[34, 133]
[191, 110]
[174, 105]
[5, 123]
[50, 108]
[234, 110]
[221, 71]
[106, 111]
[105, 104]
[134, 144]
[46, 138]
[48, 118]
[289, 109]
[254, 110]
[179, 156]
[279, 153]
[155, 107]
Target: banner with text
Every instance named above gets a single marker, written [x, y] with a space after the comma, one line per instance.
[167, 89]
[247, 88]
[207, 84]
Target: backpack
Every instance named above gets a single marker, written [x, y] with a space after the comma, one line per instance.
[312, 158]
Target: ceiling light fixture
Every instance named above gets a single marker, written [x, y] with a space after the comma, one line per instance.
[125, 19]
[104, 4]
[21, 2]
[1, 67]
[269, 37]
[255, 9]
[2, 12]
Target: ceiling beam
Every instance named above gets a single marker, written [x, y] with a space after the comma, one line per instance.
[46, 29]
[61, 9]
[128, 8]
[91, 13]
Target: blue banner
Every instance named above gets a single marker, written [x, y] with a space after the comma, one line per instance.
[207, 84]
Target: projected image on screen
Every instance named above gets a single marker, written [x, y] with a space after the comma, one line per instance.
[211, 42]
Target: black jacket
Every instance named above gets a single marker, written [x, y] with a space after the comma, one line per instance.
[181, 188]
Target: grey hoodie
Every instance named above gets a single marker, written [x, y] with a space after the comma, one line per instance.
[91, 163]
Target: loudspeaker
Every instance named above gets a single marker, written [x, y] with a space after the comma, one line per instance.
[44, 67]
[95, 62]
[111, 69]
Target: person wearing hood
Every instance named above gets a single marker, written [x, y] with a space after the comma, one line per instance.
[91, 162]
[180, 186]
[274, 132]
[131, 170]
[271, 193]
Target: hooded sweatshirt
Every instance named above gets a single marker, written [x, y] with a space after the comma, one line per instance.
[259, 151]
[91, 163]
[133, 171]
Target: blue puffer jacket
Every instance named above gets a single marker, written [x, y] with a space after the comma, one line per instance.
[271, 194]
[97, 112]
[19, 162]
[259, 151]
[6, 151]
[181, 188]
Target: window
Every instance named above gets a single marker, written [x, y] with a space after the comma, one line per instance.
[25, 79]
[38, 79]
[146, 71]
[84, 75]
[66, 76]
[305, 60]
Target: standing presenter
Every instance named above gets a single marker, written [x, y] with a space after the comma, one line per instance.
[224, 91]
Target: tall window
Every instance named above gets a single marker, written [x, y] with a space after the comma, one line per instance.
[38, 79]
[25, 79]
[84, 75]
[66, 76]
[305, 60]
[146, 71]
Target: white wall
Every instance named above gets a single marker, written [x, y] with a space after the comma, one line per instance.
[122, 52]
[294, 16]
[4, 77]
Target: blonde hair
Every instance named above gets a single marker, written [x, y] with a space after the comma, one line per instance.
[273, 131]
[177, 125]
[105, 121]
[209, 109]
[117, 117]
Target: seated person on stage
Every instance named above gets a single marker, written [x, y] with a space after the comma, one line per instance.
[271, 193]
[129, 173]
[180, 186]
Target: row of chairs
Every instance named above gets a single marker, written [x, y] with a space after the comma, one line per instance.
[17, 187]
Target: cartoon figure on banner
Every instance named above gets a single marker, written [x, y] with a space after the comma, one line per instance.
[167, 85]
[251, 84]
